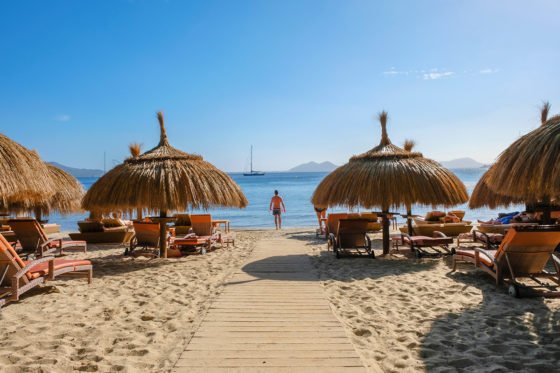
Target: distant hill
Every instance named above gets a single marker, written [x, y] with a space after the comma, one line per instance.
[314, 167]
[462, 163]
[79, 172]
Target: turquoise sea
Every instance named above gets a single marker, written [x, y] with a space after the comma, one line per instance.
[296, 189]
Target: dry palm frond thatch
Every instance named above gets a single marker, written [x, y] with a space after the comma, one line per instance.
[66, 199]
[163, 179]
[483, 196]
[24, 177]
[409, 145]
[388, 176]
[529, 168]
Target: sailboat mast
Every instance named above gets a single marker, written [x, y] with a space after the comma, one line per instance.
[251, 158]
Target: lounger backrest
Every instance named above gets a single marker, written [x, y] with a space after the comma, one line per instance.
[10, 263]
[370, 216]
[183, 220]
[29, 233]
[112, 222]
[528, 250]
[202, 224]
[90, 226]
[147, 234]
[332, 221]
[352, 232]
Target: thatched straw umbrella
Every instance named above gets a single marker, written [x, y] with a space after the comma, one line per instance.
[483, 196]
[24, 178]
[66, 199]
[528, 169]
[163, 179]
[388, 176]
[68, 196]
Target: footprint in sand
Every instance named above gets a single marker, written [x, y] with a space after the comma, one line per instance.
[362, 332]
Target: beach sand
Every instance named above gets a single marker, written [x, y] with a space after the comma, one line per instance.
[408, 315]
[135, 317]
[402, 315]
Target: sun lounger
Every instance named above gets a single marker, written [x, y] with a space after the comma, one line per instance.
[501, 228]
[523, 253]
[18, 276]
[34, 240]
[438, 244]
[96, 232]
[146, 241]
[351, 235]
[182, 224]
[332, 226]
[449, 229]
[491, 240]
[202, 224]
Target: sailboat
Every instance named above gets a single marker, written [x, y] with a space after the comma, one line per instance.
[253, 172]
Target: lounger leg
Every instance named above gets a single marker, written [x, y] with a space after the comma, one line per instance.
[90, 276]
[51, 270]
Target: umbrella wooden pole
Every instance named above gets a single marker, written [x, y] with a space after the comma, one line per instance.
[163, 233]
[385, 217]
[139, 214]
[38, 215]
[546, 211]
[409, 220]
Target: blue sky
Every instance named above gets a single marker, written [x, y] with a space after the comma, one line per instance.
[301, 80]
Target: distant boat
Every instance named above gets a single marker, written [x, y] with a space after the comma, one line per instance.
[253, 172]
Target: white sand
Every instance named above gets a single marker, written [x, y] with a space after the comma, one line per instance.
[402, 314]
[407, 315]
[135, 316]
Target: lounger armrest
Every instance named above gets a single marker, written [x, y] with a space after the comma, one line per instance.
[555, 258]
[485, 253]
[438, 234]
[32, 264]
[48, 242]
[486, 237]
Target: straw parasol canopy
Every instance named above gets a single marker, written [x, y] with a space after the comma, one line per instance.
[25, 179]
[163, 179]
[69, 192]
[528, 169]
[66, 199]
[483, 196]
[388, 176]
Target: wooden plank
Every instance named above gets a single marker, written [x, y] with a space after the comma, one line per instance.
[271, 317]
[267, 354]
[271, 362]
[270, 333]
[203, 345]
[266, 370]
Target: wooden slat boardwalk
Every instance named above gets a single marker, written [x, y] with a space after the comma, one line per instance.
[271, 317]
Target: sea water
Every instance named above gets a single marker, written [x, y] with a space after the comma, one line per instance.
[296, 190]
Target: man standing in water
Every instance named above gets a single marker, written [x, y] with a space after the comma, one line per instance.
[277, 206]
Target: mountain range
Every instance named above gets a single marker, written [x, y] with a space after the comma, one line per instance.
[462, 163]
[78, 172]
[314, 167]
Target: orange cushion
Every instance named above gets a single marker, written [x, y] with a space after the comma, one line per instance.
[483, 258]
[43, 268]
[66, 243]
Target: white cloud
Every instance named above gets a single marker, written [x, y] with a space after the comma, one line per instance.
[393, 71]
[488, 71]
[437, 75]
[62, 118]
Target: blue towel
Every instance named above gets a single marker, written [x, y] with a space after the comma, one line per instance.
[507, 219]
